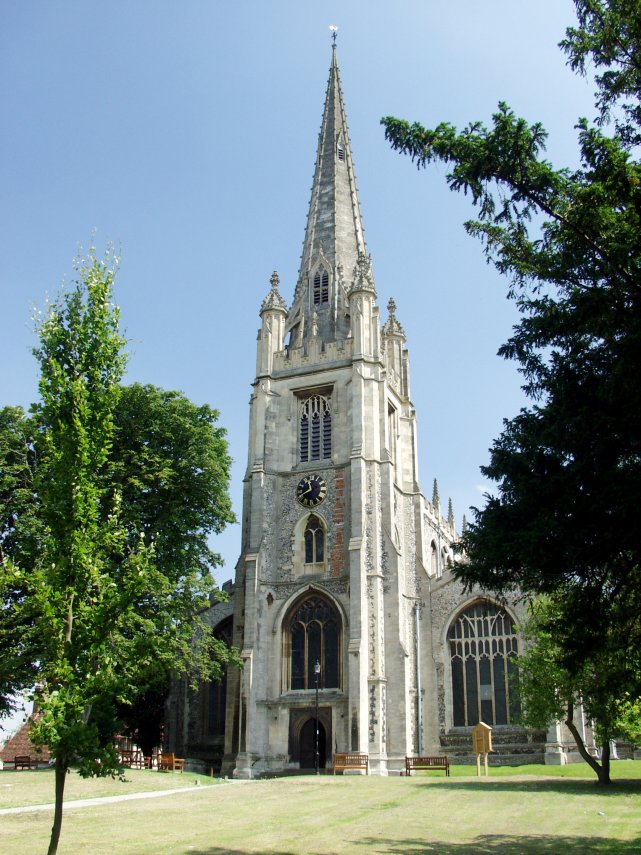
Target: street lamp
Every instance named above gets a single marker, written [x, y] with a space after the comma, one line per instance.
[316, 754]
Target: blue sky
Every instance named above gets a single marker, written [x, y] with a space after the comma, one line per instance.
[186, 132]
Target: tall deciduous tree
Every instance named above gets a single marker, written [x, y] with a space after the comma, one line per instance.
[568, 467]
[108, 611]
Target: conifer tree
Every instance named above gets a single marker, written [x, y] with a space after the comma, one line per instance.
[564, 519]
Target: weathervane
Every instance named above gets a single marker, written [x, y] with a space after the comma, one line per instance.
[333, 30]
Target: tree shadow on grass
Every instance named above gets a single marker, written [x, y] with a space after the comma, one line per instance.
[567, 786]
[485, 844]
[501, 844]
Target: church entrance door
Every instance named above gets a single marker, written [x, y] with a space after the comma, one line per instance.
[308, 745]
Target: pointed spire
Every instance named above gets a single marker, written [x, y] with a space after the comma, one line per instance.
[436, 501]
[450, 513]
[464, 525]
[334, 236]
[334, 213]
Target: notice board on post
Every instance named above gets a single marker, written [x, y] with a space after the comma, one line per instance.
[481, 744]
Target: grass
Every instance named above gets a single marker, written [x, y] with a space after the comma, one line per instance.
[506, 814]
[37, 787]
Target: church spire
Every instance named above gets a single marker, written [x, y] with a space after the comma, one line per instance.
[334, 237]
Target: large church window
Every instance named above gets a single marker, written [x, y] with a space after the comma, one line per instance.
[321, 287]
[314, 541]
[314, 635]
[483, 647]
[315, 429]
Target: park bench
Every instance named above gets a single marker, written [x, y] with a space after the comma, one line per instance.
[341, 762]
[132, 759]
[168, 761]
[427, 763]
[24, 761]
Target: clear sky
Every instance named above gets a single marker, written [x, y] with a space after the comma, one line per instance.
[185, 133]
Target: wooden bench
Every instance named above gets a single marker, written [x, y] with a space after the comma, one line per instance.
[168, 761]
[441, 763]
[350, 761]
[24, 761]
[131, 759]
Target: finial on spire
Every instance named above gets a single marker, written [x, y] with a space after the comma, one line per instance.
[391, 307]
[334, 31]
[273, 301]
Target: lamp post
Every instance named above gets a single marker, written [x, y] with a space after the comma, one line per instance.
[316, 754]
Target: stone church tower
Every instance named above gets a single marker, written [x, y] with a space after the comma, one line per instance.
[343, 580]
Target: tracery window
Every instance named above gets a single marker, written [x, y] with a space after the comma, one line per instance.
[314, 541]
[483, 646]
[315, 429]
[321, 287]
[314, 635]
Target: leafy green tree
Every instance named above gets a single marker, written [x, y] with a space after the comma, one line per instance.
[563, 520]
[108, 613]
[20, 533]
[171, 466]
[549, 690]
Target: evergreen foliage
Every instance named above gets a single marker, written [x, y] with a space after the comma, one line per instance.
[568, 467]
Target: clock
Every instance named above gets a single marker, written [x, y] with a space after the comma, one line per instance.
[311, 490]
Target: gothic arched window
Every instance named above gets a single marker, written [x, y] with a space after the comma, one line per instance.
[314, 537]
[313, 631]
[315, 429]
[483, 646]
[321, 287]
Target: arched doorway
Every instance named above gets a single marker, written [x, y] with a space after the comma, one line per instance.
[308, 745]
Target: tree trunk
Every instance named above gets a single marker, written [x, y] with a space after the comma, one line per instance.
[602, 769]
[61, 776]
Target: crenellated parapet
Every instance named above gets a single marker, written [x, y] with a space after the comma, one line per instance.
[316, 353]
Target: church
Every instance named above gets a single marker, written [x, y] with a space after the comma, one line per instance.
[343, 608]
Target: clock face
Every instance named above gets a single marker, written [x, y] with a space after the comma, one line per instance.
[311, 490]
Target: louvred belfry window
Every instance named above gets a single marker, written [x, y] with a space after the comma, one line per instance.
[315, 429]
[483, 648]
[321, 287]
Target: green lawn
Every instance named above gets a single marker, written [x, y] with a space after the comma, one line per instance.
[36, 787]
[506, 813]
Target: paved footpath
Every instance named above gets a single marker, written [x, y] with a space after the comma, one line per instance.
[106, 800]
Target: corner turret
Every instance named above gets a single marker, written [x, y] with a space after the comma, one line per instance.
[271, 335]
[396, 356]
